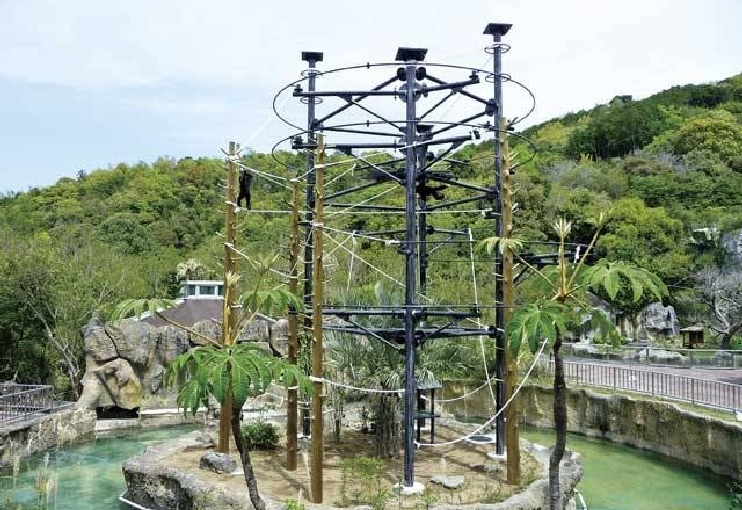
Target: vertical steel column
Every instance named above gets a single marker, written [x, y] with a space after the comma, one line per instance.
[311, 58]
[410, 97]
[497, 30]
[291, 407]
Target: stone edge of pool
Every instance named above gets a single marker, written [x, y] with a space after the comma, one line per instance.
[151, 485]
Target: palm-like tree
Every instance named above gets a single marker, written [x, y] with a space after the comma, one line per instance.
[563, 300]
[376, 363]
[230, 372]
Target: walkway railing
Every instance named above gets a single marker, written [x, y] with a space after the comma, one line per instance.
[21, 402]
[657, 356]
[708, 392]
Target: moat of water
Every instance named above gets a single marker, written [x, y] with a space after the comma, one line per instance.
[617, 477]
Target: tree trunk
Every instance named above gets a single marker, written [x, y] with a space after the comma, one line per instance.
[387, 440]
[250, 481]
[560, 424]
[726, 341]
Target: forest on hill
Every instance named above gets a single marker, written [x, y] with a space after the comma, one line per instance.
[668, 168]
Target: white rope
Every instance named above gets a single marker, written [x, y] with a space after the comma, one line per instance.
[380, 169]
[478, 322]
[361, 259]
[265, 123]
[266, 176]
[362, 202]
[350, 265]
[340, 175]
[357, 234]
[462, 397]
[131, 503]
[400, 391]
[502, 409]
[250, 259]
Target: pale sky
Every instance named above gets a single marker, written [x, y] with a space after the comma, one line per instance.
[86, 84]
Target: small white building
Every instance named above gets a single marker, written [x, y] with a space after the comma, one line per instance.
[202, 289]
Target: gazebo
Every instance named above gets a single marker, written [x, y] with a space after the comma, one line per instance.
[692, 337]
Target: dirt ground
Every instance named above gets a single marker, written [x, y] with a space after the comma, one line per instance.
[352, 485]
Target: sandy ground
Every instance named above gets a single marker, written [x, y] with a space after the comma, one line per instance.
[361, 486]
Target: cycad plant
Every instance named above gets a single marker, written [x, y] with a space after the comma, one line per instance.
[230, 372]
[561, 303]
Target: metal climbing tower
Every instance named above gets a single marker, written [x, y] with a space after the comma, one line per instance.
[398, 120]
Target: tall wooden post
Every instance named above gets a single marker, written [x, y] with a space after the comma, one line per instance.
[230, 291]
[318, 396]
[291, 412]
[512, 435]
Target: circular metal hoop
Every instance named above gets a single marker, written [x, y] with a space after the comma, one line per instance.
[504, 48]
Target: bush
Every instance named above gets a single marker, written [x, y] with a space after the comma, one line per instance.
[260, 436]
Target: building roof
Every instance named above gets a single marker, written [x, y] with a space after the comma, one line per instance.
[189, 312]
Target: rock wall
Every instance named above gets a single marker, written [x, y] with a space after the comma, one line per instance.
[69, 426]
[125, 365]
[662, 427]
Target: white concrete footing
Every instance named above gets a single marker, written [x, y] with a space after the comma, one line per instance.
[415, 489]
[496, 456]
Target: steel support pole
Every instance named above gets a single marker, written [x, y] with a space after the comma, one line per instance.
[311, 58]
[291, 411]
[499, 231]
[318, 387]
[409, 249]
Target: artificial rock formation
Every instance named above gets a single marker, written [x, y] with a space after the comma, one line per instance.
[125, 364]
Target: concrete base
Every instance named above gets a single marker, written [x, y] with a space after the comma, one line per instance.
[417, 488]
[496, 456]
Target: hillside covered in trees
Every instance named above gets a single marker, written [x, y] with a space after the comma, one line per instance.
[665, 166]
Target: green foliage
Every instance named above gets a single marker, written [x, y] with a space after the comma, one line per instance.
[536, 323]
[246, 368]
[362, 481]
[260, 435]
[735, 493]
[136, 307]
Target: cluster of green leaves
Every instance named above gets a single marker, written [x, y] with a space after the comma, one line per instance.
[246, 368]
[260, 435]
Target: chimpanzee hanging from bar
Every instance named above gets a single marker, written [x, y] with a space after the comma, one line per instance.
[245, 189]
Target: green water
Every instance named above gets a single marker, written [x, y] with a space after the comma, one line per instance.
[619, 477]
[616, 477]
[88, 476]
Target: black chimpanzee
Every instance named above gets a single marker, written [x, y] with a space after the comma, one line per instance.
[245, 189]
[425, 190]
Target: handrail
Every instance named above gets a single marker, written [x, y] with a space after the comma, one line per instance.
[707, 392]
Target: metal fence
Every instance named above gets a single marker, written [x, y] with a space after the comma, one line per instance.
[708, 392]
[20, 402]
[657, 356]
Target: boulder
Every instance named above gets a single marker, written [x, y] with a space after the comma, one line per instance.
[171, 341]
[663, 356]
[156, 377]
[449, 482]
[217, 462]
[255, 331]
[132, 341]
[661, 319]
[279, 338]
[120, 383]
[98, 345]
